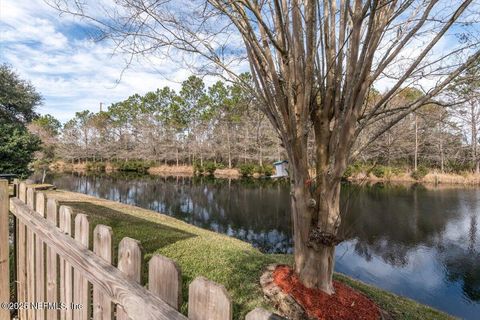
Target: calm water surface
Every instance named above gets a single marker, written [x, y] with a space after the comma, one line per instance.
[419, 242]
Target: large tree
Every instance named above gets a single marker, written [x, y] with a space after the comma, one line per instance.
[313, 64]
[18, 100]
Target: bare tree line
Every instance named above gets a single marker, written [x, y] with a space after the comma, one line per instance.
[228, 129]
[198, 124]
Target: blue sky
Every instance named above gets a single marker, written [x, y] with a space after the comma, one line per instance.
[72, 72]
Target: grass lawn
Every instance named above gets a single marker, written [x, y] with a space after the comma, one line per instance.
[228, 261]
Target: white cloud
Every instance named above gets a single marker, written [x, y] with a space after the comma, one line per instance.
[71, 71]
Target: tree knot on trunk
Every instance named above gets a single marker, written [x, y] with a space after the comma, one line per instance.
[318, 237]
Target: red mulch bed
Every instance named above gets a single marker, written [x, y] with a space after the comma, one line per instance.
[345, 304]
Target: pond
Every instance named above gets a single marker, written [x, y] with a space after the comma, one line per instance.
[418, 241]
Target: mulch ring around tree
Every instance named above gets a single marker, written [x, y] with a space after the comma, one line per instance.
[294, 301]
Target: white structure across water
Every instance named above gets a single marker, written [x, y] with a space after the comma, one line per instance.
[281, 169]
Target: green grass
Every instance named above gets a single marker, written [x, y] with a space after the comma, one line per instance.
[228, 261]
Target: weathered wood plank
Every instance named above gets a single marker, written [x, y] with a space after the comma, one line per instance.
[31, 257]
[138, 302]
[51, 265]
[21, 254]
[4, 250]
[165, 280]
[102, 246]
[66, 273]
[40, 204]
[262, 314]
[80, 289]
[208, 301]
[130, 263]
[22, 192]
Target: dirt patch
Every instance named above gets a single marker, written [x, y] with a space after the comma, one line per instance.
[171, 170]
[233, 173]
[345, 304]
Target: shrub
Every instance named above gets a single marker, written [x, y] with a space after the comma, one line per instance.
[246, 169]
[198, 168]
[134, 166]
[95, 166]
[354, 169]
[220, 165]
[386, 171]
[420, 173]
[268, 170]
[264, 170]
[458, 167]
[210, 167]
[379, 171]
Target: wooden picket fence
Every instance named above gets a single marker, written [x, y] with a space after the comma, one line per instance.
[54, 264]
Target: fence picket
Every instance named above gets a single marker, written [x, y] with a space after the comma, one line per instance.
[51, 265]
[30, 257]
[81, 291]
[165, 280]
[130, 263]
[208, 301]
[40, 202]
[4, 250]
[102, 246]
[66, 276]
[21, 254]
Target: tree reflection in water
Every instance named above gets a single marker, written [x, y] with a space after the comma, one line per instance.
[387, 226]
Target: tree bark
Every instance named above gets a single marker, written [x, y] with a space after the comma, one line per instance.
[416, 144]
[314, 256]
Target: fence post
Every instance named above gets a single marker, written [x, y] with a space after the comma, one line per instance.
[4, 249]
[208, 301]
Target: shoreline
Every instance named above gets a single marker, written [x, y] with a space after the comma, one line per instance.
[432, 178]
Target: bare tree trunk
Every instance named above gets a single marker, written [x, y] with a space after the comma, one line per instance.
[229, 149]
[245, 146]
[442, 156]
[260, 155]
[442, 160]
[474, 140]
[416, 144]
[314, 256]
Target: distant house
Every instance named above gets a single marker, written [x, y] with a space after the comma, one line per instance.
[280, 169]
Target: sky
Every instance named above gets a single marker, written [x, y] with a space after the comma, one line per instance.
[70, 70]
[75, 73]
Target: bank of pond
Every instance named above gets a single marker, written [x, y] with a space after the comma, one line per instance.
[417, 241]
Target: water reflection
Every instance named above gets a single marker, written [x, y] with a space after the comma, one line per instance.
[416, 241]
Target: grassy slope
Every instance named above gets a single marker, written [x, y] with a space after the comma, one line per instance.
[228, 261]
